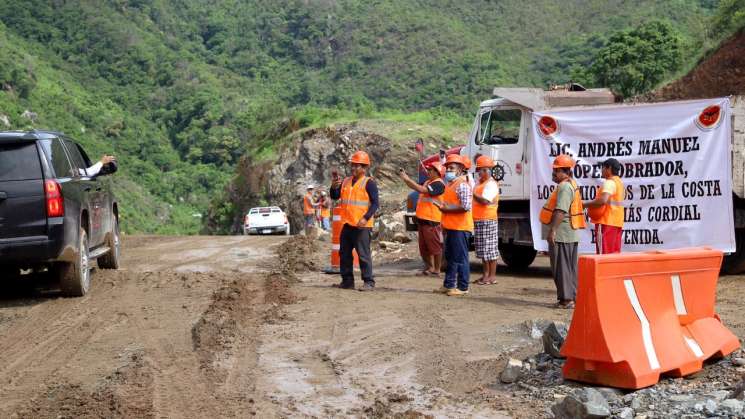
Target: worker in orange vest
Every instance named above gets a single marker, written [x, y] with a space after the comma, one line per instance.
[457, 223]
[606, 210]
[428, 217]
[485, 203]
[562, 217]
[358, 200]
[309, 209]
[325, 206]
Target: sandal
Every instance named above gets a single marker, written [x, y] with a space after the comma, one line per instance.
[567, 306]
[480, 281]
[423, 273]
[489, 282]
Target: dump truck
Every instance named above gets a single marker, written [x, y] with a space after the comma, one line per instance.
[502, 130]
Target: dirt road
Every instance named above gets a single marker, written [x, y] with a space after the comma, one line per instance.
[206, 327]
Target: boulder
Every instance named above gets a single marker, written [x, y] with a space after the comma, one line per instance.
[512, 371]
[733, 406]
[582, 403]
[626, 413]
[553, 338]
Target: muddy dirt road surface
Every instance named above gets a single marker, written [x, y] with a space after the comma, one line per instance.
[195, 327]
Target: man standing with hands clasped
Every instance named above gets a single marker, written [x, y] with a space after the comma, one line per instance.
[457, 221]
[606, 210]
[561, 219]
[358, 200]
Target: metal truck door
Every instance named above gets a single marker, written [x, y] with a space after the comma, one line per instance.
[499, 137]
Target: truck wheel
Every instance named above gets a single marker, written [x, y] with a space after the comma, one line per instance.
[111, 259]
[735, 263]
[75, 277]
[517, 257]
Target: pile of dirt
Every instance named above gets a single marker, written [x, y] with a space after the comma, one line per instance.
[721, 73]
[299, 254]
[214, 335]
[277, 293]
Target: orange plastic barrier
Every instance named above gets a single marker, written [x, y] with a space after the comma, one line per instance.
[336, 226]
[640, 315]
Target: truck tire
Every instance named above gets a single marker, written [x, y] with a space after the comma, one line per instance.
[735, 263]
[517, 257]
[110, 260]
[75, 277]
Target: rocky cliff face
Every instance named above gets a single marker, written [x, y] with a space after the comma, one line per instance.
[310, 159]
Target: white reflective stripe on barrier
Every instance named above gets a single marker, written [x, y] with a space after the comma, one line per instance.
[680, 306]
[335, 247]
[654, 363]
[694, 347]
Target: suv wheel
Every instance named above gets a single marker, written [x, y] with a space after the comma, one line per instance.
[75, 277]
[111, 259]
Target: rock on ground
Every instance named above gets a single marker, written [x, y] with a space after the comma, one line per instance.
[553, 338]
[582, 404]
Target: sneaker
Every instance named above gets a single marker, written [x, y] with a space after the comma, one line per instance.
[366, 287]
[343, 286]
[442, 290]
[455, 292]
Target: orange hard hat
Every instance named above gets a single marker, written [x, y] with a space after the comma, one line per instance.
[466, 162]
[563, 161]
[484, 161]
[360, 157]
[437, 166]
[454, 158]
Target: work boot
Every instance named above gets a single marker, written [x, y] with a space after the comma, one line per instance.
[455, 292]
[442, 290]
[367, 287]
[344, 286]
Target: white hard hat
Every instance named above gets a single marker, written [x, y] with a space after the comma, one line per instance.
[310, 186]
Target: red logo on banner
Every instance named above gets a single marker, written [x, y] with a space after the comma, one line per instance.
[710, 117]
[548, 126]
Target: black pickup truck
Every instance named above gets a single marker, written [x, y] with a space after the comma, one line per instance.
[55, 216]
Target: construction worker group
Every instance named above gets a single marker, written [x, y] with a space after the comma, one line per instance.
[452, 209]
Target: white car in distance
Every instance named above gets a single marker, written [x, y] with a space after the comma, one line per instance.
[266, 220]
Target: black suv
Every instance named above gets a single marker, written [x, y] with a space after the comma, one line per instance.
[54, 216]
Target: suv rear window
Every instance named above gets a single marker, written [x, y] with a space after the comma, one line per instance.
[56, 155]
[19, 162]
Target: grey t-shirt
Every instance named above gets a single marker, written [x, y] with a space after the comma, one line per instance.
[564, 232]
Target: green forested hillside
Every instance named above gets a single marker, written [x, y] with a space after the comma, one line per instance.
[181, 89]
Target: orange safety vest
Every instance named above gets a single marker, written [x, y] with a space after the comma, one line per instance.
[612, 213]
[425, 207]
[308, 205]
[325, 210]
[354, 201]
[485, 211]
[576, 213]
[462, 221]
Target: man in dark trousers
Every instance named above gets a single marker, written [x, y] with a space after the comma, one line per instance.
[358, 200]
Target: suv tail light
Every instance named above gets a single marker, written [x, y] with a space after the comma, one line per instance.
[55, 201]
[246, 221]
[286, 221]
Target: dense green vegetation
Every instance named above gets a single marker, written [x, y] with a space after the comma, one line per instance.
[181, 89]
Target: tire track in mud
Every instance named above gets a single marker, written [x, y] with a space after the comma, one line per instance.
[145, 342]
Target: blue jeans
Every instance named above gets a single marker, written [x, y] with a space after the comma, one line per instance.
[456, 254]
[325, 223]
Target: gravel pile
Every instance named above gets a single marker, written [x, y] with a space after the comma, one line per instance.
[714, 392]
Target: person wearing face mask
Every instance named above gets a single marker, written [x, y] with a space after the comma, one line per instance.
[561, 219]
[358, 200]
[485, 203]
[457, 222]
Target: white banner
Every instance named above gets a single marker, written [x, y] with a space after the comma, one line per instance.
[676, 167]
